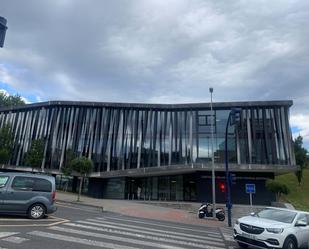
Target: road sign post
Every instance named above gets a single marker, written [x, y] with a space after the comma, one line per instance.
[250, 189]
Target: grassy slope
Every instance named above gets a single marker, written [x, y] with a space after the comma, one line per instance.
[299, 195]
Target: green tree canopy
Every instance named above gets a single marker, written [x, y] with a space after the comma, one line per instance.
[6, 143]
[10, 100]
[35, 155]
[66, 168]
[301, 157]
[277, 188]
[300, 152]
[83, 166]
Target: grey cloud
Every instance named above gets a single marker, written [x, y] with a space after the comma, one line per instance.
[159, 51]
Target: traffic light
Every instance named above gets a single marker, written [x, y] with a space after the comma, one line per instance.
[235, 116]
[232, 178]
[3, 29]
[222, 187]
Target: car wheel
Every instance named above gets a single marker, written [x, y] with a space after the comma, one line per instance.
[242, 245]
[36, 211]
[289, 243]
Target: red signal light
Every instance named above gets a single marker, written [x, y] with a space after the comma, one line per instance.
[222, 187]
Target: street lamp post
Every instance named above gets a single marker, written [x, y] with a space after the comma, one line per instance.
[3, 29]
[234, 119]
[213, 176]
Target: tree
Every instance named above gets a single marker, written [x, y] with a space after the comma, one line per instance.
[35, 155]
[6, 143]
[10, 100]
[6, 136]
[83, 166]
[277, 188]
[301, 157]
[66, 168]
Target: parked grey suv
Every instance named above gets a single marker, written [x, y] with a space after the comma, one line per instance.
[27, 194]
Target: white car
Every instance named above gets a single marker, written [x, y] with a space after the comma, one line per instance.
[273, 228]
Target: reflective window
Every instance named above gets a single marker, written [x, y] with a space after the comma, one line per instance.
[31, 184]
[3, 181]
[42, 185]
[23, 183]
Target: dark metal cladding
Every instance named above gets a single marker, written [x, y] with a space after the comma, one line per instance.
[120, 137]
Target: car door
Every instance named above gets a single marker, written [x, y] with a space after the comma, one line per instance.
[3, 186]
[301, 232]
[18, 195]
[307, 230]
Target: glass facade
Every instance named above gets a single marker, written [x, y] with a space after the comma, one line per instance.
[162, 188]
[120, 137]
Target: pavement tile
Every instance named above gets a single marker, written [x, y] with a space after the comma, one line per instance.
[142, 210]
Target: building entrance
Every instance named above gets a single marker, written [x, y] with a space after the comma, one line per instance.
[162, 188]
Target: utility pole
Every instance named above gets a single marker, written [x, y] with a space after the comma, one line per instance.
[213, 176]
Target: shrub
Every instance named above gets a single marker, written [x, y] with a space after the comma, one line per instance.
[277, 188]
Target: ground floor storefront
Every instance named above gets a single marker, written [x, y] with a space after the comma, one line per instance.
[196, 187]
[192, 187]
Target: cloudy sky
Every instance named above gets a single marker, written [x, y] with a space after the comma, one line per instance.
[159, 51]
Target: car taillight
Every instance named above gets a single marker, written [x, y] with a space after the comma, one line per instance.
[54, 196]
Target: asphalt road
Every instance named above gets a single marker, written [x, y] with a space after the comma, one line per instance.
[80, 227]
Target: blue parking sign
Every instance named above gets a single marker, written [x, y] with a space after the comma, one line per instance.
[250, 188]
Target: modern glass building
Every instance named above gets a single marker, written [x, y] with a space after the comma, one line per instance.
[158, 151]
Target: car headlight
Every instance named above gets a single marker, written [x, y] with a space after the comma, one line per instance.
[237, 222]
[274, 230]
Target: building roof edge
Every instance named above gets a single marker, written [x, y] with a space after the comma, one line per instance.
[218, 105]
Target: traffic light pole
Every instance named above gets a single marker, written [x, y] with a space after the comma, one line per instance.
[227, 177]
[235, 115]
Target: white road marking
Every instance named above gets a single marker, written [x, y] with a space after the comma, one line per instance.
[117, 225]
[227, 234]
[117, 238]
[7, 234]
[161, 225]
[162, 237]
[49, 218]
[79, 240]
[15, 239]
[151, 231]
[37, 223]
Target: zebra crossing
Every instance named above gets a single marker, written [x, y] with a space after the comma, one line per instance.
[123, 233]
[227, 234]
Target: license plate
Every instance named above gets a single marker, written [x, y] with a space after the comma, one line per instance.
[249, 236]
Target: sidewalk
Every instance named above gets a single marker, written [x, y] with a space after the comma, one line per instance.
[141, 210]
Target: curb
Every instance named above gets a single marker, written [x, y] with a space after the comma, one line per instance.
[80, 204]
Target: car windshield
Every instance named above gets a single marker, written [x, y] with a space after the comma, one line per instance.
[284, 216]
